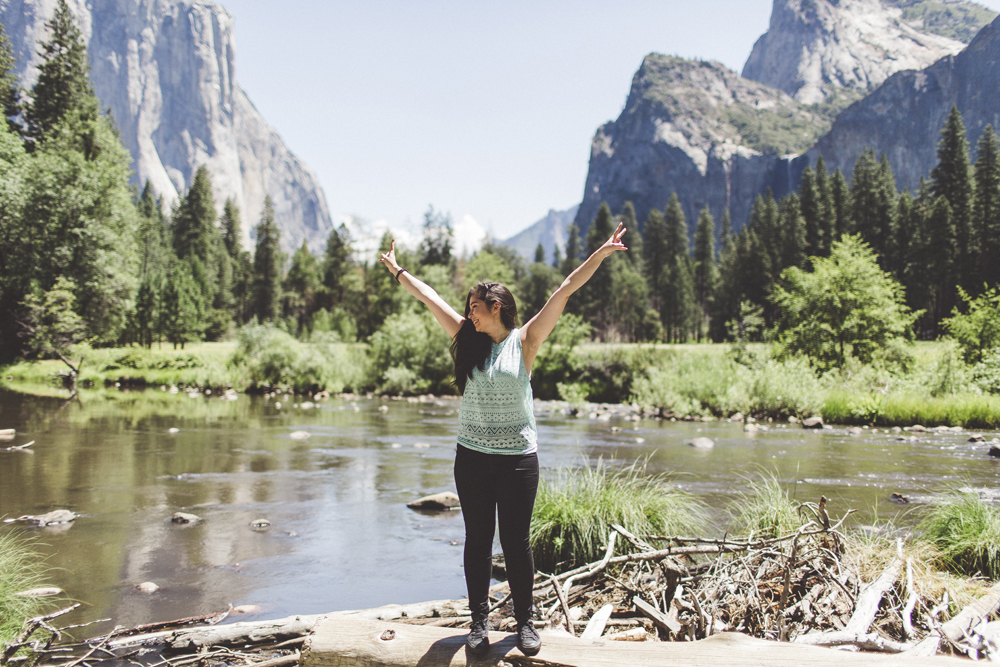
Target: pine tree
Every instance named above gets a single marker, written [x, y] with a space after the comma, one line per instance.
[809, 202]
[826, 208]
[725, 231]
[572, 259]
[705, 270]
[986, 210]
[556, 257]
[678, 306]
[232, 229]
[793, 232]
[873, 196]
[337, 264]
[302, 285]
[10, 88]
[63, 77]
[194, 223]
[655, 256]
[182, 310]
[267, 266]
[951, 178]
[439, 236]
[596, 295]
[539, 253]
[633, 235]
[840, 198]
[939, 258]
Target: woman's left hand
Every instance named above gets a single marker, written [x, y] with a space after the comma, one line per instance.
[614, 243]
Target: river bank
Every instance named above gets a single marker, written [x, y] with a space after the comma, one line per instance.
[689, 382]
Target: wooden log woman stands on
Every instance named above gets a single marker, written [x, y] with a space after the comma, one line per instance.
[496, 467]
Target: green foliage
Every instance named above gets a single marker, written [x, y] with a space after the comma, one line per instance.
[554, 363]
[846, 307]
[52, 324]
[574, 510]
[21, 569]
[268, 357]
[763, 509]
[539, 283]
[572, 259]
[908, 408]
[966, 531]
[409, 355]
[951, 178]
[978, 330]
[489, 267]
[183, 307]
[438, 239]
[10, 87]
[986, 208]
[63, 84]
[267, 261]
[302, 289]
[774, 132]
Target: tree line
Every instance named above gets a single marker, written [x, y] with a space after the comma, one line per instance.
[84, 256]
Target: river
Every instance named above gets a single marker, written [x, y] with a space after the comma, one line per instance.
[340, 534]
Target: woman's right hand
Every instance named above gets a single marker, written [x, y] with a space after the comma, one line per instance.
[389, 259]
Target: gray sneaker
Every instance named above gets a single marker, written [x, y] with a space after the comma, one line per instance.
[528, 640]
[478, 641]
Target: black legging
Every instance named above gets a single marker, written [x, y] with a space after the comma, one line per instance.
[491, 485]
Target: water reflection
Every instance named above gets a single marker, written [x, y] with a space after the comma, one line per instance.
[340, 534]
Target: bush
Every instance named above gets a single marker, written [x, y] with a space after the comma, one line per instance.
[966, 530]
[686, 384]
[21, 569]
[555, 363]
[573, 512]
[776, 389]
[410, 355]
[977, 331]
[268, 357]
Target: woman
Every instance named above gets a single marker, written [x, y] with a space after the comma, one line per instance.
[496, 467]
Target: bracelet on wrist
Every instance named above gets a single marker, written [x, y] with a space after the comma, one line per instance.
[399, 273]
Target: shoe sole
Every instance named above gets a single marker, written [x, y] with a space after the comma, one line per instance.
[529, 651]
[482, 649]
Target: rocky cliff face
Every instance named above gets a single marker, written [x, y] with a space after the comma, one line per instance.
[815, 50]
[904, 117]
[697, 129]
[166, 69]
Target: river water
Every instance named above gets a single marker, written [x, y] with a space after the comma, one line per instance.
[340, 534]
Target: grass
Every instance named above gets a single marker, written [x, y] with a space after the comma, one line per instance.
[764, 509]
[906, 409]
[966, 531]
[575, 509]
[21, 569]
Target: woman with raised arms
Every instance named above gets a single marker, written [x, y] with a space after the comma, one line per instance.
[496, 465]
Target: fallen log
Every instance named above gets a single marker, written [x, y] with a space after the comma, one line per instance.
[187, 638]
[956, 628]
[870, 598]
[347, 642]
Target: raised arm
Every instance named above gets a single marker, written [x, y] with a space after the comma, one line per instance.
[538, 328]
[446, 316]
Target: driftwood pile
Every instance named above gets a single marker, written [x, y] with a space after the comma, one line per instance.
[798, 588]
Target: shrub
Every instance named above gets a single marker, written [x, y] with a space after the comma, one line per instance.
[966, 530]
[977, 331]
[555, 363]
[410, 354]
[685, 384]
[775, 389]
[575, 509]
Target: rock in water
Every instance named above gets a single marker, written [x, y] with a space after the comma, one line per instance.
[7, 434]
[184, 517]
[299, 435]
[45, 592]
[750, 428]
[260, 524]
[701, 443]
[438, 501]
[53, 518]
[166, 71]
[147, 587]
[812, 422]
[995, 451]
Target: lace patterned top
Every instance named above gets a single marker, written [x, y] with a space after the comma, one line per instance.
[497, 415]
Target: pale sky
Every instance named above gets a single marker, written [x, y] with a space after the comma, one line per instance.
[483, 109]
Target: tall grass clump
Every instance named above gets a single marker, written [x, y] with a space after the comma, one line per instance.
[21, 569]
[777, 389]
[966, 531]
[685, 384]
[764, 509]
[575, 508]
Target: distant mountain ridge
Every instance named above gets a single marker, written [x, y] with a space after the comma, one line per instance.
[550, 231]
[166, 69]
[718, 139]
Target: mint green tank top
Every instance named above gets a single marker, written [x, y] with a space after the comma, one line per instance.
[497, 415]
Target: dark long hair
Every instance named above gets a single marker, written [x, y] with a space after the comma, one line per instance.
[472, 348]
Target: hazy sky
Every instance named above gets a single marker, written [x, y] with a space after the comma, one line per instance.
[483, 109]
